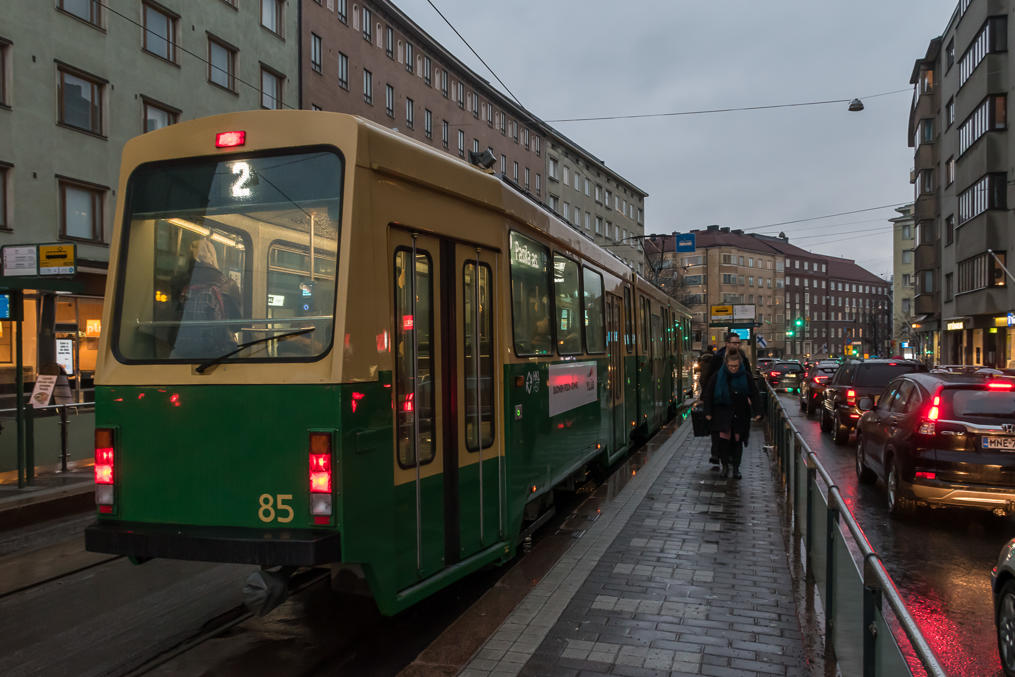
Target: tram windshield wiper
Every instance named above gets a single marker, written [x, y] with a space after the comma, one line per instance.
[204, 366]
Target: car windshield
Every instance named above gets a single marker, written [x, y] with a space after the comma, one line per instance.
[221, 252]
[960, 403]
[878, 375]
[787, 367]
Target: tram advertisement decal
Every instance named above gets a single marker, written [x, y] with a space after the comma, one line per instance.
[571, 385]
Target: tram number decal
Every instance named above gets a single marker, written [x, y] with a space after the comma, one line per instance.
[273, 507]
[241, 187]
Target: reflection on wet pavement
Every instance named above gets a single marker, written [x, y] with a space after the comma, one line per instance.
[940, 560]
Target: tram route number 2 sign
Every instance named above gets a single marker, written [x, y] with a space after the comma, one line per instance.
[570, 385]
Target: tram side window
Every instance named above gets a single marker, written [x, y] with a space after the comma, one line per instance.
[595, 339]
[414, 374]
[644, 326]
[478, 356]
[530, 296]
[566, 295]
[657, 340]
[628, 321]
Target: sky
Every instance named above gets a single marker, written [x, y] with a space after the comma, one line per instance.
[745, 169]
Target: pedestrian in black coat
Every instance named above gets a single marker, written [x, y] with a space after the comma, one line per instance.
[713, 366]
[729, 399]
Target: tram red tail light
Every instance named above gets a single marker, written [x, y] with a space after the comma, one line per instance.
[320, 477]
[104, 463]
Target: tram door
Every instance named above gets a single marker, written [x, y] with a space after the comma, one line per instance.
[449, 471]
[419, 402]
[478, 502]
[614, 347]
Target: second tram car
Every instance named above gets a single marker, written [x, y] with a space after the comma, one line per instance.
[331, 344]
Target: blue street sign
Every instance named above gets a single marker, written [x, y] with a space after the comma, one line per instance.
[685, 242]
[1011, 319]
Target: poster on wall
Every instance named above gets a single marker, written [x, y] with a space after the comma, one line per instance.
[65, 355]
[570, 385]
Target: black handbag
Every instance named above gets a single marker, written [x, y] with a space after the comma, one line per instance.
[699, 424]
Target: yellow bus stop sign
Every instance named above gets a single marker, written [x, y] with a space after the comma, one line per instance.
[56, 259]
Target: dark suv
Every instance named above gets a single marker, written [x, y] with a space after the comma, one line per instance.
[853, 380]
[941, 440]
[812, 385]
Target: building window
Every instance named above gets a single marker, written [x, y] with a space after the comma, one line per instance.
[986, 193]
[81, 101]
[539, 181]
[427, 67]
[428, 123]
[552, 168]
[159, 32]
[389, 100]
[343, 71]
[80, 211]
[271, 88]
[949, 112]
[980, 272]
[157, 116]
[343, 11]
[4, 172]
[409, 58]
[514, 171]
[271, 15]
[949, 229]
[948, 293]
[315, 52]
[950, 54]
[444, 134]
[536, 145]
[4, 48]
[410, 113]
[389, 42]
[86, 10]
[926, 181]
[444, 83]
[526, 178]
[368, 86]
[990, 115]
[461, 143]
[993, 37]
[460, 94]
[221, 64]
[367, 21]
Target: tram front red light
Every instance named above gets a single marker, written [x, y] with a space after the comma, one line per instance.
[230, 139]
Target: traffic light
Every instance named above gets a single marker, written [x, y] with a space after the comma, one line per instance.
[790, 333]
[799, 322]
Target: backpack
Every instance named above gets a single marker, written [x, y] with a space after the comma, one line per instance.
[202, 303]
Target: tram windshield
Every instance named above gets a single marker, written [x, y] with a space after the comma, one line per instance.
[219, 253]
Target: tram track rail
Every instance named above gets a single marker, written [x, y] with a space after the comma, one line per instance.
[59, 576]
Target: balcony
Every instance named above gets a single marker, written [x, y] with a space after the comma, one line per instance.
[926, 206]
[926, 304]
[989, 230]
[989, 301]
[925, 257]
[988, 154]
[925, 157]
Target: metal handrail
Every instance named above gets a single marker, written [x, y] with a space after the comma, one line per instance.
[50, 407]
[874, 567]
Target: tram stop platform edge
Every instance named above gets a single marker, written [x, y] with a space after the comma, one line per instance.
[52, 494]
[684, 573]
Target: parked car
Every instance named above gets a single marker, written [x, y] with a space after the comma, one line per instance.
[853, 380]
[812, 385]
[1002, 579]
[785, 376]
[941, 440]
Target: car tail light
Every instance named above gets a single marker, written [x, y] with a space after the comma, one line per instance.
[104, 464]
[773, 373]
[933, 413]
[320, 477]
[230, 139]
[999, 385]
[920, 475]
[820, 379]
[850, 396]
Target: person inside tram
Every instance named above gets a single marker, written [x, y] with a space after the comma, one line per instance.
[204, 297]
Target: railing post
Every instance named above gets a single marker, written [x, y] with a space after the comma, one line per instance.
[831, 526]
[29, 444]
[812, 475]
[871, 604]
[790, 448]
[63, 439]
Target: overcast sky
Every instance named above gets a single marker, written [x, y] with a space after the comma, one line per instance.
[579, 58]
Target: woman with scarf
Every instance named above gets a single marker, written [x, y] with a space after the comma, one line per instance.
[728, 399]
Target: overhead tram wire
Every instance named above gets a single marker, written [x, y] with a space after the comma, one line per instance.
[177, 45]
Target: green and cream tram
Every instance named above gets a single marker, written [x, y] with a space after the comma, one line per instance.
[331, 344]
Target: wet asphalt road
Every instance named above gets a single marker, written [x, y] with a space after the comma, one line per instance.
[940, 560]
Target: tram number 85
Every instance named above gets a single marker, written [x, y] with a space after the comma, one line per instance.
[274, 508]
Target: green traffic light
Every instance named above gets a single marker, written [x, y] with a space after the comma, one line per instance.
[799, 322]
[790, 333]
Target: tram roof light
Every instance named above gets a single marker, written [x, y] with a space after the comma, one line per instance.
[230, 139]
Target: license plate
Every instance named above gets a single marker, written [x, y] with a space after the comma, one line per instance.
[1007, 443]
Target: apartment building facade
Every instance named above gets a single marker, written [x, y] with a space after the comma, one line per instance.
[78, 78]
[596, 201]
[962, 154]
[806, 304]
[903, 282]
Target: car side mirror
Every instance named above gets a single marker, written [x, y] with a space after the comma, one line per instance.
[866, 403]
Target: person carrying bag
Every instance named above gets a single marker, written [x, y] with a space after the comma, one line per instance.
[728, 400]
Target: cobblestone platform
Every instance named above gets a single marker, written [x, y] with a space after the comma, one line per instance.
[686, 574]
